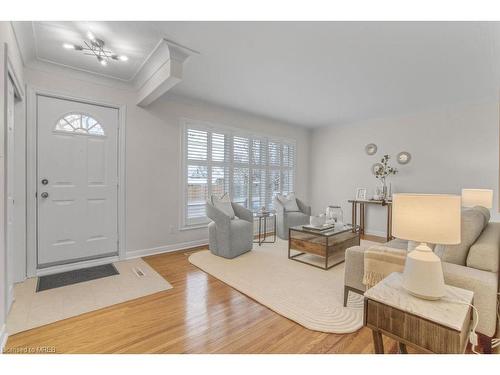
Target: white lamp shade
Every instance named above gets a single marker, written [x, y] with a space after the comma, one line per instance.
[430, 218]
[477, 197]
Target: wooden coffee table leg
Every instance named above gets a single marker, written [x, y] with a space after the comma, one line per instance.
[378, 344]
[326, 255]
[402, 348]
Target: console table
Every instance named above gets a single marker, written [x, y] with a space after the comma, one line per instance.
[362, 203]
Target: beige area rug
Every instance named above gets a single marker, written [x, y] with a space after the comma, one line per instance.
[307, 295]
[31, 309]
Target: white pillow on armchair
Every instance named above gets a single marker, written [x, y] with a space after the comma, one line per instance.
[224, 204]
[289, 202]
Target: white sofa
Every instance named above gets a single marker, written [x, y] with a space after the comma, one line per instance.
[473, 266]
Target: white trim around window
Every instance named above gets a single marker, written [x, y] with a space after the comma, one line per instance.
[251, 167]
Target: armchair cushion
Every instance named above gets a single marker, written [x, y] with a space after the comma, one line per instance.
[242, 212]
[289, 202]
[223, 204]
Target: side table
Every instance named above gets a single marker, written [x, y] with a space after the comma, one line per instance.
[440, 326]
[262, 217]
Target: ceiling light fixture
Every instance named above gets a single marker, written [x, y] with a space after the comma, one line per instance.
[95, 47]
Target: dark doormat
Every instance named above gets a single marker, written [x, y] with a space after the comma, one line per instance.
[74, 277]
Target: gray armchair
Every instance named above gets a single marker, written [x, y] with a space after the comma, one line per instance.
[286, 219]
[230, 238]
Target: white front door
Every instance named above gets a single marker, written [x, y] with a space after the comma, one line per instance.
[77, 181]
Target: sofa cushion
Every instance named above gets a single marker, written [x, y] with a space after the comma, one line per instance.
[485, 212]
[472, 224]
[289, 202]
[223, 204]
[484, 253]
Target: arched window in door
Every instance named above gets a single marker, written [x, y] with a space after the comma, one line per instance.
[79, 123]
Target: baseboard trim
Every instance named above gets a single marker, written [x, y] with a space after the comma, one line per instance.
[166, 249]
[376, 233]
[3, 338]
[75, 266]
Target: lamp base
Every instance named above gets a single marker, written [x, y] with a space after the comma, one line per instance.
[423, 274]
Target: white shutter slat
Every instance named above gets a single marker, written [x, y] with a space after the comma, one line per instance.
[197, 144]
[197, 192]
[273, 186]
[252, 169]
[274, 153]
[219, 146]
[258, 189]
[220, 180]
[240, 186]
[241, 150]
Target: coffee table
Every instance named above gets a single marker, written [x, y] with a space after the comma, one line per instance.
[329, 245]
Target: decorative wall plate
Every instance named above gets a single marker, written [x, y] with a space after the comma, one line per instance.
[376, 166]
[403, 157]
[371, 149]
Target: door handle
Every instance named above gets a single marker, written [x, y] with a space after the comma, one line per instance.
[44, 195]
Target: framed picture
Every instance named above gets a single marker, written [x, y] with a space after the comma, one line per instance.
[361, 194]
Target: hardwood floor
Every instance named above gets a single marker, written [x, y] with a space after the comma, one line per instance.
[199, 315]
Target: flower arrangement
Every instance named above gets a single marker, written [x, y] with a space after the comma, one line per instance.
[383, 171]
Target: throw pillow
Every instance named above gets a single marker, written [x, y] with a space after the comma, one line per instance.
[472, 224]
[485, 212]
[289, 202]
[223, 204]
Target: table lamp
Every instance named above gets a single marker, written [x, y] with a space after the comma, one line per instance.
[425, 218]
[477, 197]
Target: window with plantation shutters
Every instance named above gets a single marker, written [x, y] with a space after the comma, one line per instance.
[251, 168]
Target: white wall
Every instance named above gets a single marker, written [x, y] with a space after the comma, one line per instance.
[6, 38]
[153, 154]
[453, 148]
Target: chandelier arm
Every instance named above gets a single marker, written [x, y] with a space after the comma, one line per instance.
[96, 48]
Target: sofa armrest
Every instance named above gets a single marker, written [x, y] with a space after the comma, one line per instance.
[216, 215]
[242, 212]
[303, 207]
[355, 267]
[484, 284]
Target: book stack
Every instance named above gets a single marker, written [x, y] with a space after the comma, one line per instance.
[320, 228]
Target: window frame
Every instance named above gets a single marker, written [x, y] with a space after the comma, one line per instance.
[232, 132]
[85, 134]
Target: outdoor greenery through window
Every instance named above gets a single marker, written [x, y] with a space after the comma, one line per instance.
[252, 169]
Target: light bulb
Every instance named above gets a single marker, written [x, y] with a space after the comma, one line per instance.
[123, 58]
[69, 46]
[103, 62]
[90, 36]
